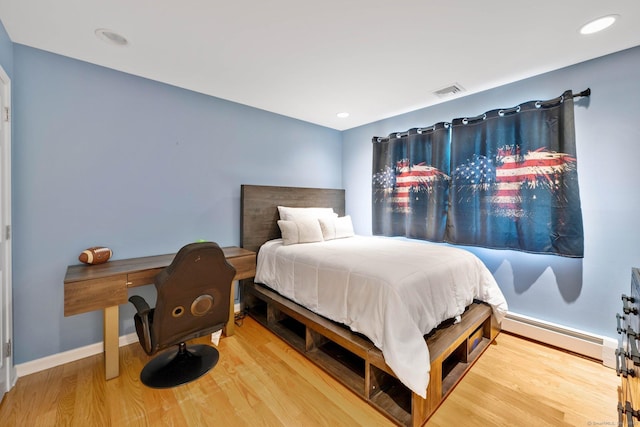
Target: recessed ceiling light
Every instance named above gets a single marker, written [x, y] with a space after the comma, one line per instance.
[111, 37]
[343, 115]
[598, 24]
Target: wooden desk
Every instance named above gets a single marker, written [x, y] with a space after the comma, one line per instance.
[104, 287]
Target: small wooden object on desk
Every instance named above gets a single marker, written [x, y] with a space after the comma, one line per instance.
[104, 287]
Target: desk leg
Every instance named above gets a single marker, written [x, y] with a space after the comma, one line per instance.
[111, 345]
[229, 329]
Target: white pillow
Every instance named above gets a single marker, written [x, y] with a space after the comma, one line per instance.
[293, 214]
[306, 230]
[336, 228]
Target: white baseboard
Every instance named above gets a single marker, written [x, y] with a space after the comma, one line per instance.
[54, 360]
[76, 354]
[576, 341]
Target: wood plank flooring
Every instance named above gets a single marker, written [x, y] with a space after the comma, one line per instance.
[261, 381]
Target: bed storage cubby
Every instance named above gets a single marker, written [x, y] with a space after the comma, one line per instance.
[354, 361]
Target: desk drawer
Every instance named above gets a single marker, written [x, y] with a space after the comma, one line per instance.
[245, 266]
[96, 294]
[141, 278]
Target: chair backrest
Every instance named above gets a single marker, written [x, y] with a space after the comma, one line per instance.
[193, 295]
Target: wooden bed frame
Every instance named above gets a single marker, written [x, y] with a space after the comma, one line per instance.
[347, 356]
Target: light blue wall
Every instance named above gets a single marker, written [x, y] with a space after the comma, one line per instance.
[105, 158]
[583, 293]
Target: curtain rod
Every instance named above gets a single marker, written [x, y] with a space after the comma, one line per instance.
[586, 92]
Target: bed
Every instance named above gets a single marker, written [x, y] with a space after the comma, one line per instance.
[366, 322]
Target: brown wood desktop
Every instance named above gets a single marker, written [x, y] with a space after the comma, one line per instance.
[104, 287]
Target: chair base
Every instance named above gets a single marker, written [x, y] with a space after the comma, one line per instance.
[174, 368]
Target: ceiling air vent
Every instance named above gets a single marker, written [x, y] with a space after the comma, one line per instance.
[449, 90]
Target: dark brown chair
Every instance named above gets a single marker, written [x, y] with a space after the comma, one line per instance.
[192, 301]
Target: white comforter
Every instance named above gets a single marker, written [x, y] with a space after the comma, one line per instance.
[392, 291]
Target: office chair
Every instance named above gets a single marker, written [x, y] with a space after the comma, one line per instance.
[192, 301]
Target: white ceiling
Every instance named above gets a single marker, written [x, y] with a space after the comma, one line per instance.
[312, 59]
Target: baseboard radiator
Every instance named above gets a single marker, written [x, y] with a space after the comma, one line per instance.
[573, 340]
[593, 346]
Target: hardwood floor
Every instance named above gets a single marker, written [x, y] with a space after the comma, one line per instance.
[261, 381]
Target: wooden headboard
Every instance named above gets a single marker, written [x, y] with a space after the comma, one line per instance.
[259, 209]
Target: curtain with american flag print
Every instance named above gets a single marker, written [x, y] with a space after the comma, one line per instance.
[514, 182]
[506, 179]
[411, 183]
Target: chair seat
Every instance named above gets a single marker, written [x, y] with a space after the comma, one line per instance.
[176, 367]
